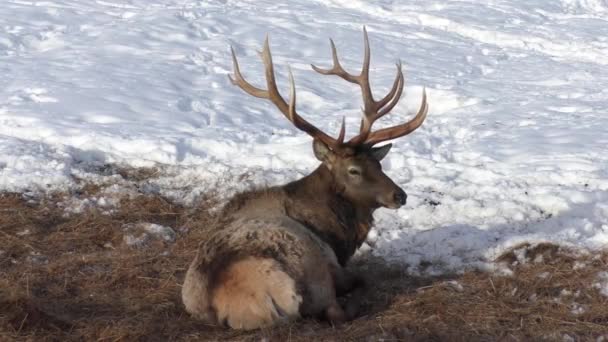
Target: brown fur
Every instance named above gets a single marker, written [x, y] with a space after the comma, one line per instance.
[278, 253]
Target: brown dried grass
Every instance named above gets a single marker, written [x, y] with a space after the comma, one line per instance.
[72, 278]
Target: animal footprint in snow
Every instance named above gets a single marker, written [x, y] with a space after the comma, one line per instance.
[37, 95]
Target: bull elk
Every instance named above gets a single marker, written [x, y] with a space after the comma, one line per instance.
[279, 253]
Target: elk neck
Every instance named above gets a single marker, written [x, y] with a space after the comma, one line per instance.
[317, 202]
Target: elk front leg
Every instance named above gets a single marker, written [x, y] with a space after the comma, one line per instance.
[354, 286]
[335, 314]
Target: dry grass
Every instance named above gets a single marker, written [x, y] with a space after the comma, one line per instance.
[72, 278]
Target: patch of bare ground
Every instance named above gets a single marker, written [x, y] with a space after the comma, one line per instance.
[73, 277]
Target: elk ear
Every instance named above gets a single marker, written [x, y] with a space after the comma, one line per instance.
[380, 152]
[322, 152]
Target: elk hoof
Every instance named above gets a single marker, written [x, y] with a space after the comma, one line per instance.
[335, 314]
[352, 308]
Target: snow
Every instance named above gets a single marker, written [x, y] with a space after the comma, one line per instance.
[513, 149]
[602, 283]
[142, 234]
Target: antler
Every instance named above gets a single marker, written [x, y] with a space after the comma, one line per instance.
[373, 110]
[272, 94]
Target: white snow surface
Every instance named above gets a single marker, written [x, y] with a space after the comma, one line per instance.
[602, 283]
[140, 234]
[514, 148]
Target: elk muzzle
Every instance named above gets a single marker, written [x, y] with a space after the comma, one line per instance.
[393, 199]
[399, 197]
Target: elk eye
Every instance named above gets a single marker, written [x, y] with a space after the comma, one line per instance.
[353, 171]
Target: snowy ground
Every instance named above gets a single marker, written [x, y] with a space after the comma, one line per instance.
[513, 149]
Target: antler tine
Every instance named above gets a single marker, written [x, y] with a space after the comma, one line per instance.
[396, 89]
[336, 69]
[369, 104]
[292, 97]
[273, 94]
[239, 81]
[400, 130]
[394, 95]
[342, 131]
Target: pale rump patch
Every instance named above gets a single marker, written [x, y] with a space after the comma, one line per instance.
[254, 293]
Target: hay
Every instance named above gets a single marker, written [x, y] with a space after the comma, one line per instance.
[66, 278]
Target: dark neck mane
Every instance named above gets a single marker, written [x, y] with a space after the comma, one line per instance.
[317, 202]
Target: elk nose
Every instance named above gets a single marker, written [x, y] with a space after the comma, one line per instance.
[400, 197]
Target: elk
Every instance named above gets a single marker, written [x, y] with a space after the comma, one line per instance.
[279, 253]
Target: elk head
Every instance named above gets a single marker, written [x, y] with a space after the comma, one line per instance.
[354, 164]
